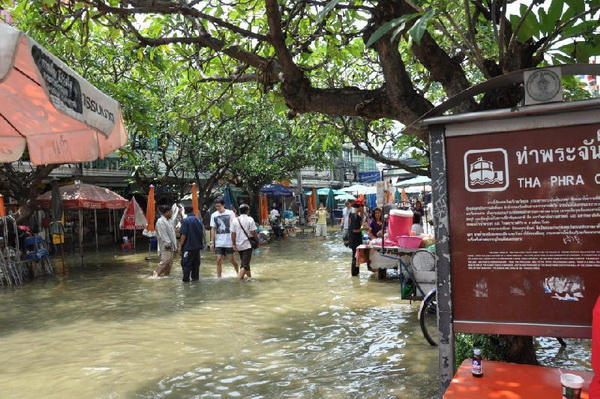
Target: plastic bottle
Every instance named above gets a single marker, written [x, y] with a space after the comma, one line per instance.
[365, 237]
[477, 365]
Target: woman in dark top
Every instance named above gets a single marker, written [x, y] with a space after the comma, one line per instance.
[376, 224]
[418, 213]
[355, 232]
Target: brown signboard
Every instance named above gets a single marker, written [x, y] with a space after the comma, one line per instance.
[524, 210]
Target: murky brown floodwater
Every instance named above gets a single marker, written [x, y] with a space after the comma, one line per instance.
[302, 328]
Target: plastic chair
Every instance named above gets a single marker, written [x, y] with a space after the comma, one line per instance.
[36, 249]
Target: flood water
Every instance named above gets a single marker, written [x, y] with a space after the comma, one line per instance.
[302, 328]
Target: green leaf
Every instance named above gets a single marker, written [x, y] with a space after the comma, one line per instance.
[546, 24]
[228, 108]
[397, 31]
[526, 30]
[580, 29]
[418, 29]
[215, 111]
[577, 5]
[555, 11]
[385, 28]
[326, 10]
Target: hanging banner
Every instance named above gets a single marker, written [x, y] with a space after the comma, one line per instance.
[369, 177]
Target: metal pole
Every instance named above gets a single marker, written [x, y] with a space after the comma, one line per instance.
[300, 194]
[442, 247]
[96, 228]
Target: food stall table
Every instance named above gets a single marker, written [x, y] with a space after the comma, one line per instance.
[509, 380]
[393, 257]
[304, 228]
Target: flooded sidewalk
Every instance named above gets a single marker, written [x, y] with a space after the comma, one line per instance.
[303, 327]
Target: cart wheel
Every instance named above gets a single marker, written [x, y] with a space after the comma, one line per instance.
[428, 318]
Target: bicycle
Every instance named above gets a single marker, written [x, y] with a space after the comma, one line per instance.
[418, 281]
[423, 263]
[428, 317]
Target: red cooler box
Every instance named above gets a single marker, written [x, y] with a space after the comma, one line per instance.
[400, 223]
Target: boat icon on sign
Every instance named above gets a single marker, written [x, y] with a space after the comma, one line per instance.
[482, 172]
[486, 170]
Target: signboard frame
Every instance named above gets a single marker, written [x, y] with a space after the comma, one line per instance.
[441, 129]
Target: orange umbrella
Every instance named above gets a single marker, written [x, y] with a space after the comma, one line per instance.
[195, 199]
[2, 208]
[150, 208]
[265, 209]
[48, 108]
[312, 202]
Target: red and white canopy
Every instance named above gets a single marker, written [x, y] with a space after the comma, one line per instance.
[45, 105]
[84, 196]
[133, 217]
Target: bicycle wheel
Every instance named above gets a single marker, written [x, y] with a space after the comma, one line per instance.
[428, 318]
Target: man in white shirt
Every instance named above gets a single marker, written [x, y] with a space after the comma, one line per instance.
[242, 229]
[274, 213]
[220, 235]
[345, 214]
[344, 222]
[167, 242]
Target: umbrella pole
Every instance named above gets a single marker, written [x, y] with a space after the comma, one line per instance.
[81, 234]
[112, 217]
[62, 254]
[96, 228]
[110, 229]
[134, 239]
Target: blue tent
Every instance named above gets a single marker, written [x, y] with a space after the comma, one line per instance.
[276, 190]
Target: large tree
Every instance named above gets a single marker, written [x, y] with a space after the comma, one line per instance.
[248, 145]
[314, 53]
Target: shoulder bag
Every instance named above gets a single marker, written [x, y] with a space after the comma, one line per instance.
[253, 241]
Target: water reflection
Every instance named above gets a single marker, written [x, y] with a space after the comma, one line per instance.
[302, 327]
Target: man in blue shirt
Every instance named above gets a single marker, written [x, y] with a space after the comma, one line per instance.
[190, 244]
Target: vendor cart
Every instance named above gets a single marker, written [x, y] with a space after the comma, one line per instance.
[417, 273]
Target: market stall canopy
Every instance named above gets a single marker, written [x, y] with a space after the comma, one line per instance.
[357, 188]
[418, 189]
[325, 191]
[419, 180]
[49, 108]
[345, 197]
[276, 190]
[84, 196]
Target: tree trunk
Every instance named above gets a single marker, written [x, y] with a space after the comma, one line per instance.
[519, 349]
[23, 187]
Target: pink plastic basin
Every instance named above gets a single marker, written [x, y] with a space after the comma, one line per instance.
[409, 242]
